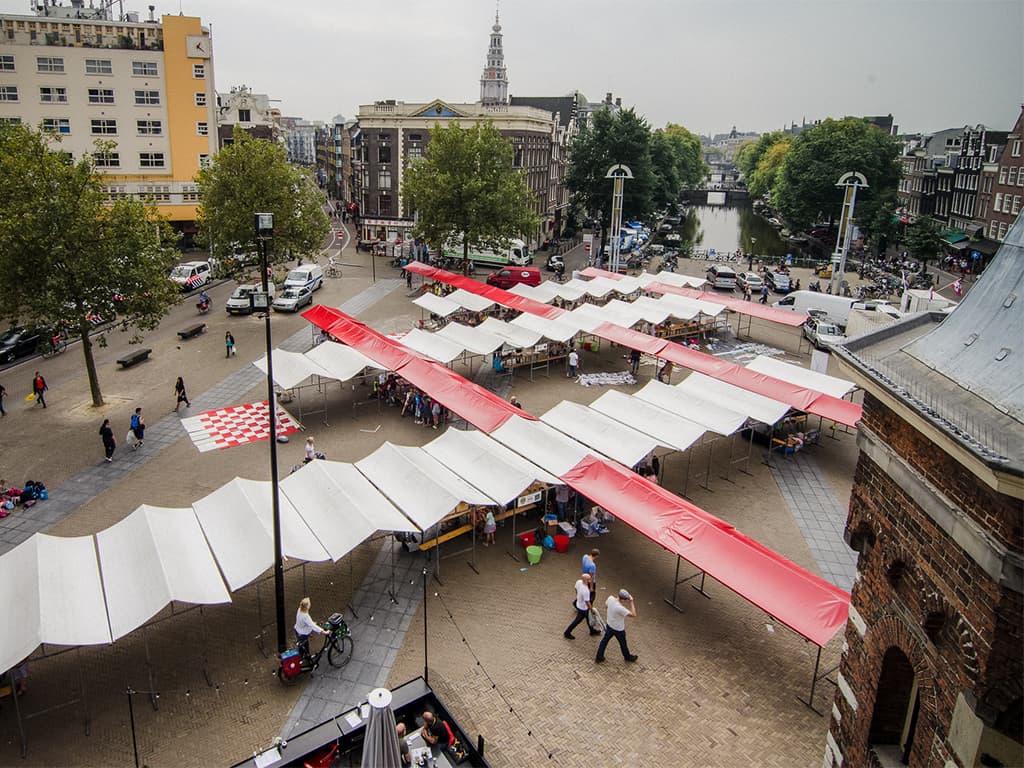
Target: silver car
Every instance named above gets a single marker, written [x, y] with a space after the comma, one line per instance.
[293, 299]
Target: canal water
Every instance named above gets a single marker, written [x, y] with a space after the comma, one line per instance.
[730, 228]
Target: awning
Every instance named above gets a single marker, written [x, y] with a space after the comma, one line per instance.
[546, 446]
[514, 335]
[669, 429]
[953, 235]
[432, 345]
[291, 368]
[806, 603]
[340, 361]
[477, 341]
[739, 306]
[556, 330]
[801, 377]
[759, 407]
[470, 301]
[602, 433]
[713, 416]
[436, 305]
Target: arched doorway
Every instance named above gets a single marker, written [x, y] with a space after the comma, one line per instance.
[894, 718]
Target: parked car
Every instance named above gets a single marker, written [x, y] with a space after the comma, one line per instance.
[822, 333]
[778, 282]
[506, 278]
[18, 342]
[293, 299]
[554, 262]
[722, 277]
[240, 303]
[750, 280]
[191, 275]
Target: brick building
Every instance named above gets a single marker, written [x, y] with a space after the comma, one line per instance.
[1004, 179]
[931, 672]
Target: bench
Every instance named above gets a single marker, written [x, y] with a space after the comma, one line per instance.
[192, 330]
[134, 357]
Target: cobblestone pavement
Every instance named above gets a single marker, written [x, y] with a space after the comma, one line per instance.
[716, 684]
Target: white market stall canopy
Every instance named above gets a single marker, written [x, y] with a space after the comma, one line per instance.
[341, 361]
[292, 368]
[711, 415]
[418, 484]
[602, 433]
[433, 345]
[650, 310]
[756, 406]
[152, 557]
[801, 377]
[513, 335]
[498, 472]
[556, 330]
[669, 429]
[472, 339]
[436, 305]
[545, 445]
[671, 278]
[598, 287]
[471, 301]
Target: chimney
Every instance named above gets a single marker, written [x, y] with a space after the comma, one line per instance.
[151, 9]
[618, 102]
[608, 98]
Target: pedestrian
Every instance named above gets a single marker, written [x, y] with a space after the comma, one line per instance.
[590, 567]
[408, 279]
[435, 413]
[180, 395]
[666, 372]
[3, 394]
[618, 609]
[764, 294]
[583, 605]
[574, 362]
[659, 367]
[39, 387]
[137, 428]
[746, 292]
[490, 528]
[515, 402]
[655, 466]
[562, 501]
[229, 344]
[634, 361]
[107, 434]
[310, 451]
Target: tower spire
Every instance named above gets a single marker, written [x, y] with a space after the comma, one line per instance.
[494, 80]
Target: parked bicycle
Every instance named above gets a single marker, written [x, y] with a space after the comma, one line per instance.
[338, 645]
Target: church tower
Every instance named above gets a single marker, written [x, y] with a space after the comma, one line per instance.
[494, 81]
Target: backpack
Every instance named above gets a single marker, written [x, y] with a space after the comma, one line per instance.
[135, 421]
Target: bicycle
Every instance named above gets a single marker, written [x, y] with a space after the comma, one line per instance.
[57, 345]
[338, 644]
[333, 270]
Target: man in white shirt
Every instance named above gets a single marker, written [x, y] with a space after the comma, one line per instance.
[583, 606]
[618, 609]
[574, 362]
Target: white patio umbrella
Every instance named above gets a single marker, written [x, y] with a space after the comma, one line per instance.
[380, 745]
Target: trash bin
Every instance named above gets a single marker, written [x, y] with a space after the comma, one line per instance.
[533, 554]
[561, 543]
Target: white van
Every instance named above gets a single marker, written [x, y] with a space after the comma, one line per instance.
[308, 274]
[191, 275]
[722, 277]
[836, 308]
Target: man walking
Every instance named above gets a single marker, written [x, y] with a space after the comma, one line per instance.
[583, 606]
[615, 624]
[590, 568]
[764, 294]
[574, 362]
[39, 387]
[3, 394]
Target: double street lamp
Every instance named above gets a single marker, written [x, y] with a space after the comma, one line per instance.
[264, 233]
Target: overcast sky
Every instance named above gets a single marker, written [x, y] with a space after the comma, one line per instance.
[708, 64]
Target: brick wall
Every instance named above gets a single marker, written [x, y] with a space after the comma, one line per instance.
[919, 592]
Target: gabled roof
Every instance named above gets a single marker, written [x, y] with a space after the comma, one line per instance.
[439, 108]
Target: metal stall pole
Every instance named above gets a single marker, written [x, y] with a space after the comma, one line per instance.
[149, 672]
[351, 581]
[426, 667]
[814, 681]
[206, 637]
[512, 552]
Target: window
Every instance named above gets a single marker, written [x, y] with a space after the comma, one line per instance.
[49, 64]
[204, 161]
[1016, 205]
[107, 160]
[103, 127]
[98, 67]
[415, 151]
[202, 129]
[10, 121]
[1007, 202]
[190, 193]
[8, 93]
[1002, 231]
[385, 206]
[149, 127]
[198, 71]
[147, 98]
[144, 68]
[1002, 174]
[384, 154]
[245, 116]
[1011, 176]
[7, 65]
[57, 125]
[151, 159]
[200, 99]
[384, 178]
[1015, 151]
[993, 229]
[53, 95]
[101, 96]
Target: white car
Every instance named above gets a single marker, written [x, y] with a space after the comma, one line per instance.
[240, 303]
[293, 299]
[823, 334]
[191, 275]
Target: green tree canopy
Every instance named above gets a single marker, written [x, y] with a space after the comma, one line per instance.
[923, 240]
[749, 155]
[66, 254]
[466, 189]
[763, 180]
[613, 138]
[805, 187]
[688, 155]
[253, 176]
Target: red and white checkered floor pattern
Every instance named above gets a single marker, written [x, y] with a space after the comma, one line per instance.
[236, 425]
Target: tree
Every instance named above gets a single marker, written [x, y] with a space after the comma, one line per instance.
[253, 176]
[610, 139]
[466, 189]
[805, 187]
[689, 155]
[923, 240]
[763, 180]
[66, 255]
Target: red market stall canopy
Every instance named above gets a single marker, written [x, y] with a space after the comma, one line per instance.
[805, 603]
[480, 407]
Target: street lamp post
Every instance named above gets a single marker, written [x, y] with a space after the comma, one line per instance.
[852, 181]
[264, 232]
[750, 256]
[618, 173]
